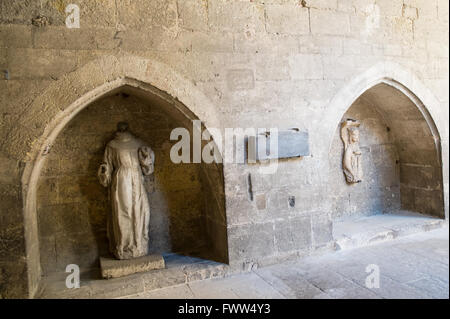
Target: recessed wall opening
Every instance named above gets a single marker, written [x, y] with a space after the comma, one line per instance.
[400, 158]
[187, 206]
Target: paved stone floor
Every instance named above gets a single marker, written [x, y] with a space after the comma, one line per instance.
[415, 266]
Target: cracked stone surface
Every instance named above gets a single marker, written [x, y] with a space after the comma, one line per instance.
[113, 268]
[411, 267]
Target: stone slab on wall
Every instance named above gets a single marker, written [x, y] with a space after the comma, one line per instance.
[288, 143]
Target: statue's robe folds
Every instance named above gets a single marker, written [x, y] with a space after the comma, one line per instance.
[352, 163]
[126, 161]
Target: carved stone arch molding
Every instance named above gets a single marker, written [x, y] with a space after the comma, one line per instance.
[46, 117]
[391, 75]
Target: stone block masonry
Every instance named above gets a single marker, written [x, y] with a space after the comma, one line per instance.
[261, 63]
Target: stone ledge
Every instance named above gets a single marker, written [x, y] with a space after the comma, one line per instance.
[179, 270]
[114, 268]
[374, 229]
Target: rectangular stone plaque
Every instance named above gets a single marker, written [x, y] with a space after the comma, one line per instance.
[114, 268]
[291, 143]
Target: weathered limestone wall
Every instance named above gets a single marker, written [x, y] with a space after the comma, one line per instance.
[271, 63]
[380, 190]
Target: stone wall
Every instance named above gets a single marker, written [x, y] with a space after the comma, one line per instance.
[417, 144]
[271, 63]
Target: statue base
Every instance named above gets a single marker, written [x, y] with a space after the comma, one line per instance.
[114, 268]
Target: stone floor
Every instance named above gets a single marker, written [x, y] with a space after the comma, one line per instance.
[414, 266]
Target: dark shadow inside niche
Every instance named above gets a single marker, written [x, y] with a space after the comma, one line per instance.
[401, 158]
[187, 204]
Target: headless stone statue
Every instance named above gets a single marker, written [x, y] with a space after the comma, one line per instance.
[126, 161]
[351, 163]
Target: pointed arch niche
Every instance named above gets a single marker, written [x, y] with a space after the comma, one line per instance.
[66, 129]
[401, 157]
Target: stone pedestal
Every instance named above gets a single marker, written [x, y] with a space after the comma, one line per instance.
[114, 268]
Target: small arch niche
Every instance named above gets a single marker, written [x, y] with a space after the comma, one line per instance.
[401, 158]
[187, 204]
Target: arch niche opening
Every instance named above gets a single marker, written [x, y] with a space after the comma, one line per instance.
[187, 205]
[401, 157]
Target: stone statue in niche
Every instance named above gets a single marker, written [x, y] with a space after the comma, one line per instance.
[126, 161]
[351, 163]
